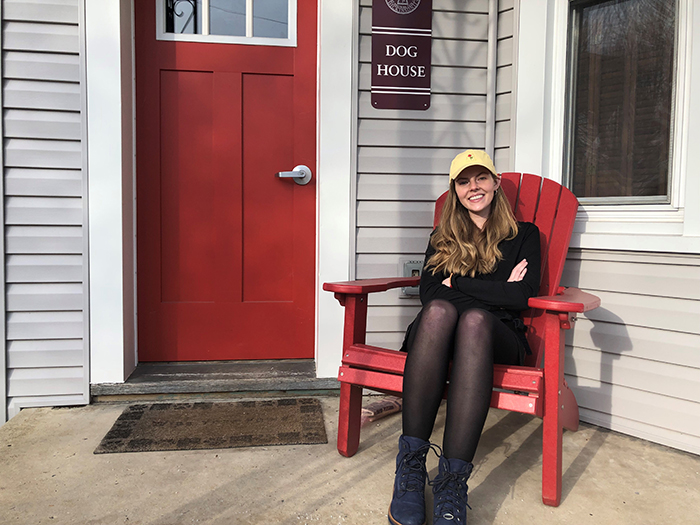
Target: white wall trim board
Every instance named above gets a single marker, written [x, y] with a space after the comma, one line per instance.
[108, 80]
[690, 162]
[337, 121]
[539, 135]
[530, 86]
[86, 206]
[16, 404]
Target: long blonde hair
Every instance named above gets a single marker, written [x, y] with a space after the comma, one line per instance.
[461, 248]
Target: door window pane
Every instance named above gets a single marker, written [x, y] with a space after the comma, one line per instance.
[622, 98]
[270, 18]
[227, 17]
[183, 17]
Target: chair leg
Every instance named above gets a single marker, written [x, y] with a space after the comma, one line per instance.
[551, 460]
[565, 415]
[349, 419]
[552, 419]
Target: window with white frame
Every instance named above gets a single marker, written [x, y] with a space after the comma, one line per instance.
[265, 22]
[621, 100]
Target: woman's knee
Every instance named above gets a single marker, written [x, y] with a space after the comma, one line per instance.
[440, 310]
[475, 319]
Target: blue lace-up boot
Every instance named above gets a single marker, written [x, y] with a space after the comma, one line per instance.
[408, 502]
[450, 492]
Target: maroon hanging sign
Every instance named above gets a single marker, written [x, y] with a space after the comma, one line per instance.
[401, 40]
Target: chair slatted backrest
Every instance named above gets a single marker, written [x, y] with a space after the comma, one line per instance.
[552, 208]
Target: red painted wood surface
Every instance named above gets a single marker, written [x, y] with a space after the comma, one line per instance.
[361, 356]
[439, 203]
[527, 202]
[226, 250]
[551, 425]
[546, 215]
[349, 414]
[530, 389]
[364, 286]
[510, 182]
[570, 300]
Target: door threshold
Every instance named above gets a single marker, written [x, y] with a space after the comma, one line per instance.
[218, 379]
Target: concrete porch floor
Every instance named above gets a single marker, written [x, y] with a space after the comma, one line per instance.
[48, 474]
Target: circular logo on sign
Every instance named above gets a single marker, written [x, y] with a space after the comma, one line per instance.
[403, 7]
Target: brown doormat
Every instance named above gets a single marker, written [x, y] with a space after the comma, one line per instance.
[191, 426]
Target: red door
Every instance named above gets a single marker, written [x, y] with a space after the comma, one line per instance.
[226, 250]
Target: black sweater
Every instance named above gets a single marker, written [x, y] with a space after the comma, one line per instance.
[491, 291]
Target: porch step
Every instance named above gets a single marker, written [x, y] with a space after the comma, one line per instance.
[218, 379]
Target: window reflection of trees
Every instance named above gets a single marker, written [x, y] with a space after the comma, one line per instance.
[623, 99]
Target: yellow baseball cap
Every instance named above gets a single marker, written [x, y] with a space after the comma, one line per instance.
[471, 157]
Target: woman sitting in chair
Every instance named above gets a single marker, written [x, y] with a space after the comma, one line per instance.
[481, 267]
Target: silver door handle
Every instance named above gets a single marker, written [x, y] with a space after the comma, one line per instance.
[301, 174]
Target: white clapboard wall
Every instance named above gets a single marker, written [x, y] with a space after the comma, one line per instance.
[403, 156]
[634, 363]
[45, 205]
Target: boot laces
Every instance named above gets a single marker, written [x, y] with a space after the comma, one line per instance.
[450, 491]
[412, 468]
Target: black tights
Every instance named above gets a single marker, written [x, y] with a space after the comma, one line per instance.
[473, 342]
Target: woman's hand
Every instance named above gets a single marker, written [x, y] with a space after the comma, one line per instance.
[518, 272]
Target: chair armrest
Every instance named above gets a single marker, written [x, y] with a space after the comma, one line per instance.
[364, 286]
[570, 300]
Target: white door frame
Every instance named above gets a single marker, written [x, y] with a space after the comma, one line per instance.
[111, 172]
[111, 199]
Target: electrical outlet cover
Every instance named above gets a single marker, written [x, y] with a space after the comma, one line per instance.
[410, 268]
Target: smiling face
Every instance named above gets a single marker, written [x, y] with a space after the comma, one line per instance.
[475, 188]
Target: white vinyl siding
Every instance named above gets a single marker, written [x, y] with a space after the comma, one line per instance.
[404, 156]
[634, 363]
[504, 86]
[44, 204]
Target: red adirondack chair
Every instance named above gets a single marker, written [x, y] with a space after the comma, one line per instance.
[535, 388]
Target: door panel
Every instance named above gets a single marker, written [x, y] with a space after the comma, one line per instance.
[226, 250]
[268, 206]
[187, 187]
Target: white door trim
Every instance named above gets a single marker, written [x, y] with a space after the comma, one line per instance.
[110, 77]
[110, 88]
[337, 154]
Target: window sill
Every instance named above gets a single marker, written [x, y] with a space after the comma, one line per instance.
[646, 228]
[625, 240]
[662, 219]
[637, 211]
